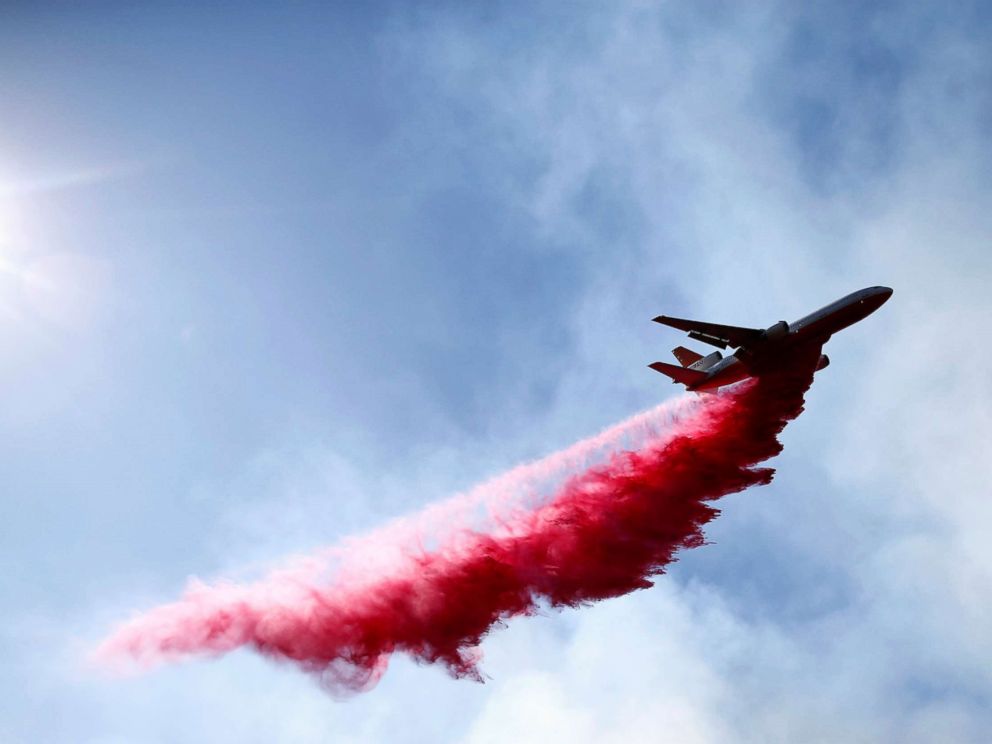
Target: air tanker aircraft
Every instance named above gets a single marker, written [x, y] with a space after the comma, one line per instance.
[759, 350]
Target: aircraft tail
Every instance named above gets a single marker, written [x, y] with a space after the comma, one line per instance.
[686, 357]
[684, 375]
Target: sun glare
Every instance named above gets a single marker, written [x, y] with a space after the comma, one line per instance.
[42, 279]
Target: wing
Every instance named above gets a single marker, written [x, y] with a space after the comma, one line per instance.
[713, 333]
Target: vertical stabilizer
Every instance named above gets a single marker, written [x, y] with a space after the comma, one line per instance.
[686, 356]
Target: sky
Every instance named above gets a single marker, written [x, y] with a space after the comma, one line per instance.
[271, 275]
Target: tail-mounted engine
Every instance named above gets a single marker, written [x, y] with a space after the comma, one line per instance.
[824, 362]
[777, 331]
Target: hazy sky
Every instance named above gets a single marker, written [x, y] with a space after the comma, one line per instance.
[270, 275]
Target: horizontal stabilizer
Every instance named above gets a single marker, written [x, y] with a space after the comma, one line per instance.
[686, 356]
[687, 377]
[715, 334]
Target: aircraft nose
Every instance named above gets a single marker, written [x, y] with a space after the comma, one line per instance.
[877, 297]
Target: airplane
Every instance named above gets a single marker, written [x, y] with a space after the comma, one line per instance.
[759, 350]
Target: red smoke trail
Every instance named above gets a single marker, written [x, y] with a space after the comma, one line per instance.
[606, 532]
[493, 499]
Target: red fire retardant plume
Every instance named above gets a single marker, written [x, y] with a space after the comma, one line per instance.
[605, 532]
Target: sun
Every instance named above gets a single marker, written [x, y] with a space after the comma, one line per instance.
[43, 279]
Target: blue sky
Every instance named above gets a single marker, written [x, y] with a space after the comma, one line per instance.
[272, 275]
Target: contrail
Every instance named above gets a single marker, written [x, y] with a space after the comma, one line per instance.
[607, 530]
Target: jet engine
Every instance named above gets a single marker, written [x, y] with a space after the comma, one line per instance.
[824, 362]
[777, 331]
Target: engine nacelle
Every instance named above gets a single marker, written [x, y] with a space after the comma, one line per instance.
[824, 362]
[777, 331]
